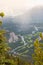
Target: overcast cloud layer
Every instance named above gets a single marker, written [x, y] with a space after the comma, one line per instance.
[18, 7]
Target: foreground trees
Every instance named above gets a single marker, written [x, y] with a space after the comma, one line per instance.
[3, 47]
[38, 52]
[5, 59]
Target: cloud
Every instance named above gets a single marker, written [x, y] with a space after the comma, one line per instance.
[17, 7]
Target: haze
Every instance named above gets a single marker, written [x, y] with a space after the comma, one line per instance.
[18, 7]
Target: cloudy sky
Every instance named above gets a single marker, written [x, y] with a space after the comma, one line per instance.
[18, 7]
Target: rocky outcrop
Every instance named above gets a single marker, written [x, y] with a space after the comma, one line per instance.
[13, 37]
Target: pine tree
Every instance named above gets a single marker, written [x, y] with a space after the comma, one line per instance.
[41, 35]
[38, 53]
[3, 47]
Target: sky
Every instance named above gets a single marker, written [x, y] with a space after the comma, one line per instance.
[18, 7]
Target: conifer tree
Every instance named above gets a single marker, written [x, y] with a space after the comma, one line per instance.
[38, 53]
